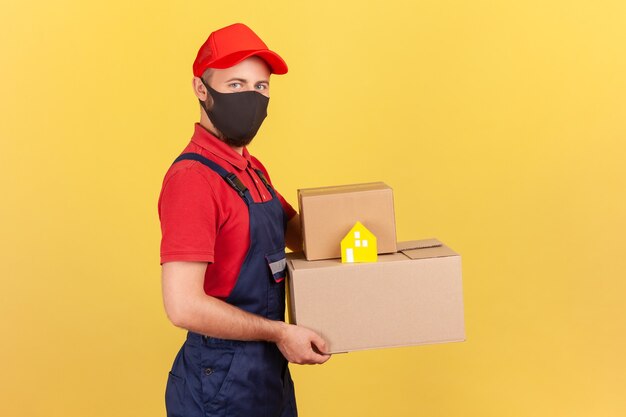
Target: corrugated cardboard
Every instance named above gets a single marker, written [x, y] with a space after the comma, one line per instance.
[328, 213]
[407, 298]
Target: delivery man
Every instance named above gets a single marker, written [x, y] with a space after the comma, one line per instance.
[224, 232]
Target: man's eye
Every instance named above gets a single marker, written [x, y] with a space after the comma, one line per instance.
[261, 87]
[235, 85]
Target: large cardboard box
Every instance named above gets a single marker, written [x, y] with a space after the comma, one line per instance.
[411, 297]
[328, 213]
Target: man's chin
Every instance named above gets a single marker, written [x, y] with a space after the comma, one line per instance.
[237, 143]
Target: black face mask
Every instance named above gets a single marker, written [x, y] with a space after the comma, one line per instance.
[238, 116]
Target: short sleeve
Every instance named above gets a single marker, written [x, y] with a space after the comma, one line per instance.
[189, 217]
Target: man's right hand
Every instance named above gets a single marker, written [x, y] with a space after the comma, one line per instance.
[301, 345]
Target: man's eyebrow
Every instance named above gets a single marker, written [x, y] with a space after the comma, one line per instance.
[243, 80]
[237, 79]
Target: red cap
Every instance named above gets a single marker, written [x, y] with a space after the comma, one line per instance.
[231, 45]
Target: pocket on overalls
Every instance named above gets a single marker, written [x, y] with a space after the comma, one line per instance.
[277, 262]
[218, 363]
[175, 396]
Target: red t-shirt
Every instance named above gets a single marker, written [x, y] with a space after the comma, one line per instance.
[203, 218]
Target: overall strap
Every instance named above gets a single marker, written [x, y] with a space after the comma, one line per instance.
[265, 182]
[230, 178]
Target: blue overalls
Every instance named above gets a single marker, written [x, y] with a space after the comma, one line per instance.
[217, 377]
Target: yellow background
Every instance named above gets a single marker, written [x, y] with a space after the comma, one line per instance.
[499, 124]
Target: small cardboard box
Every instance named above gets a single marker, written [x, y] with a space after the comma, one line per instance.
[412, 297]
[328, 213]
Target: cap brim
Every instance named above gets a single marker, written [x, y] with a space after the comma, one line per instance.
[274, 61]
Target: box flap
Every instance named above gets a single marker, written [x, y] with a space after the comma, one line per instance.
[418, 244]
[338, 189]
[426, 248]
[298, 262]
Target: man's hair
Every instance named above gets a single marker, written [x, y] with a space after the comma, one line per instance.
[206, 77]
[207, 74]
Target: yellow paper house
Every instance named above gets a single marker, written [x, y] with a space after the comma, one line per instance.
[359, 245]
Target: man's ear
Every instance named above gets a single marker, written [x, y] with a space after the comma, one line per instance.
[199, 89]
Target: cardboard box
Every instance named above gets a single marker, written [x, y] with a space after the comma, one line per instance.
[328, 213]
[412, 297]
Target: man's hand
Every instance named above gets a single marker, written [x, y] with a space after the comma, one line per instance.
[301, 345]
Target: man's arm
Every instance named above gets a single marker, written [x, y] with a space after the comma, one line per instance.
[188, 306]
